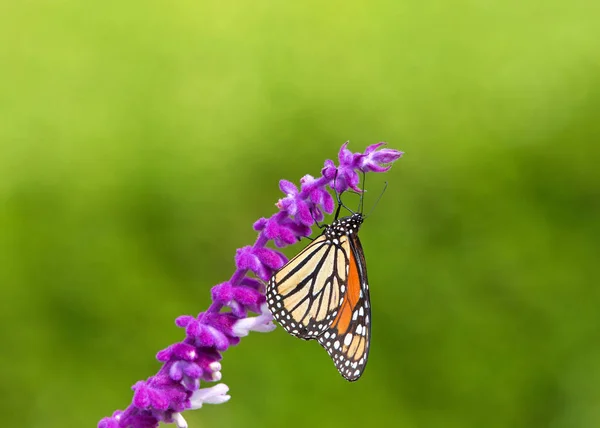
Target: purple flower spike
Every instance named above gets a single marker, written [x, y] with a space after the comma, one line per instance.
[177, 386]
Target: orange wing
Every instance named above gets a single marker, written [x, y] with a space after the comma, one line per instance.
[347, 339]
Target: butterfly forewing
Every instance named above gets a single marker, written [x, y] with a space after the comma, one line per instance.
[304, 295]
[323, 294]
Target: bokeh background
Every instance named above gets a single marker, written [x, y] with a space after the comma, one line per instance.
[140, 140]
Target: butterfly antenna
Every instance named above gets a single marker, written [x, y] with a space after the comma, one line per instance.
[361, 203]
[378, 199]
[338, 197]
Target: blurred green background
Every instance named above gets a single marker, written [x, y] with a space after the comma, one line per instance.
[140, 140]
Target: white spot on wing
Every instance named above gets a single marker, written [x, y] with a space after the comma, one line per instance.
[348, 339]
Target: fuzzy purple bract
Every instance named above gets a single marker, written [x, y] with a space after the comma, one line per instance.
[176, 386]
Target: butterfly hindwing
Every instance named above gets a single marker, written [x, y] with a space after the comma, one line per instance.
[348, 339]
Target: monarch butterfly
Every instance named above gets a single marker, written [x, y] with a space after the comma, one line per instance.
[323, 294]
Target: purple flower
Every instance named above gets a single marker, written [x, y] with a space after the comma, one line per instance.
[318, 197]
[214, 395]
[294, 204]
[346, 175]
[281, 234]
[374, 160]
[177, 385]
[262, 261]
[239, 298]
[262, 323]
